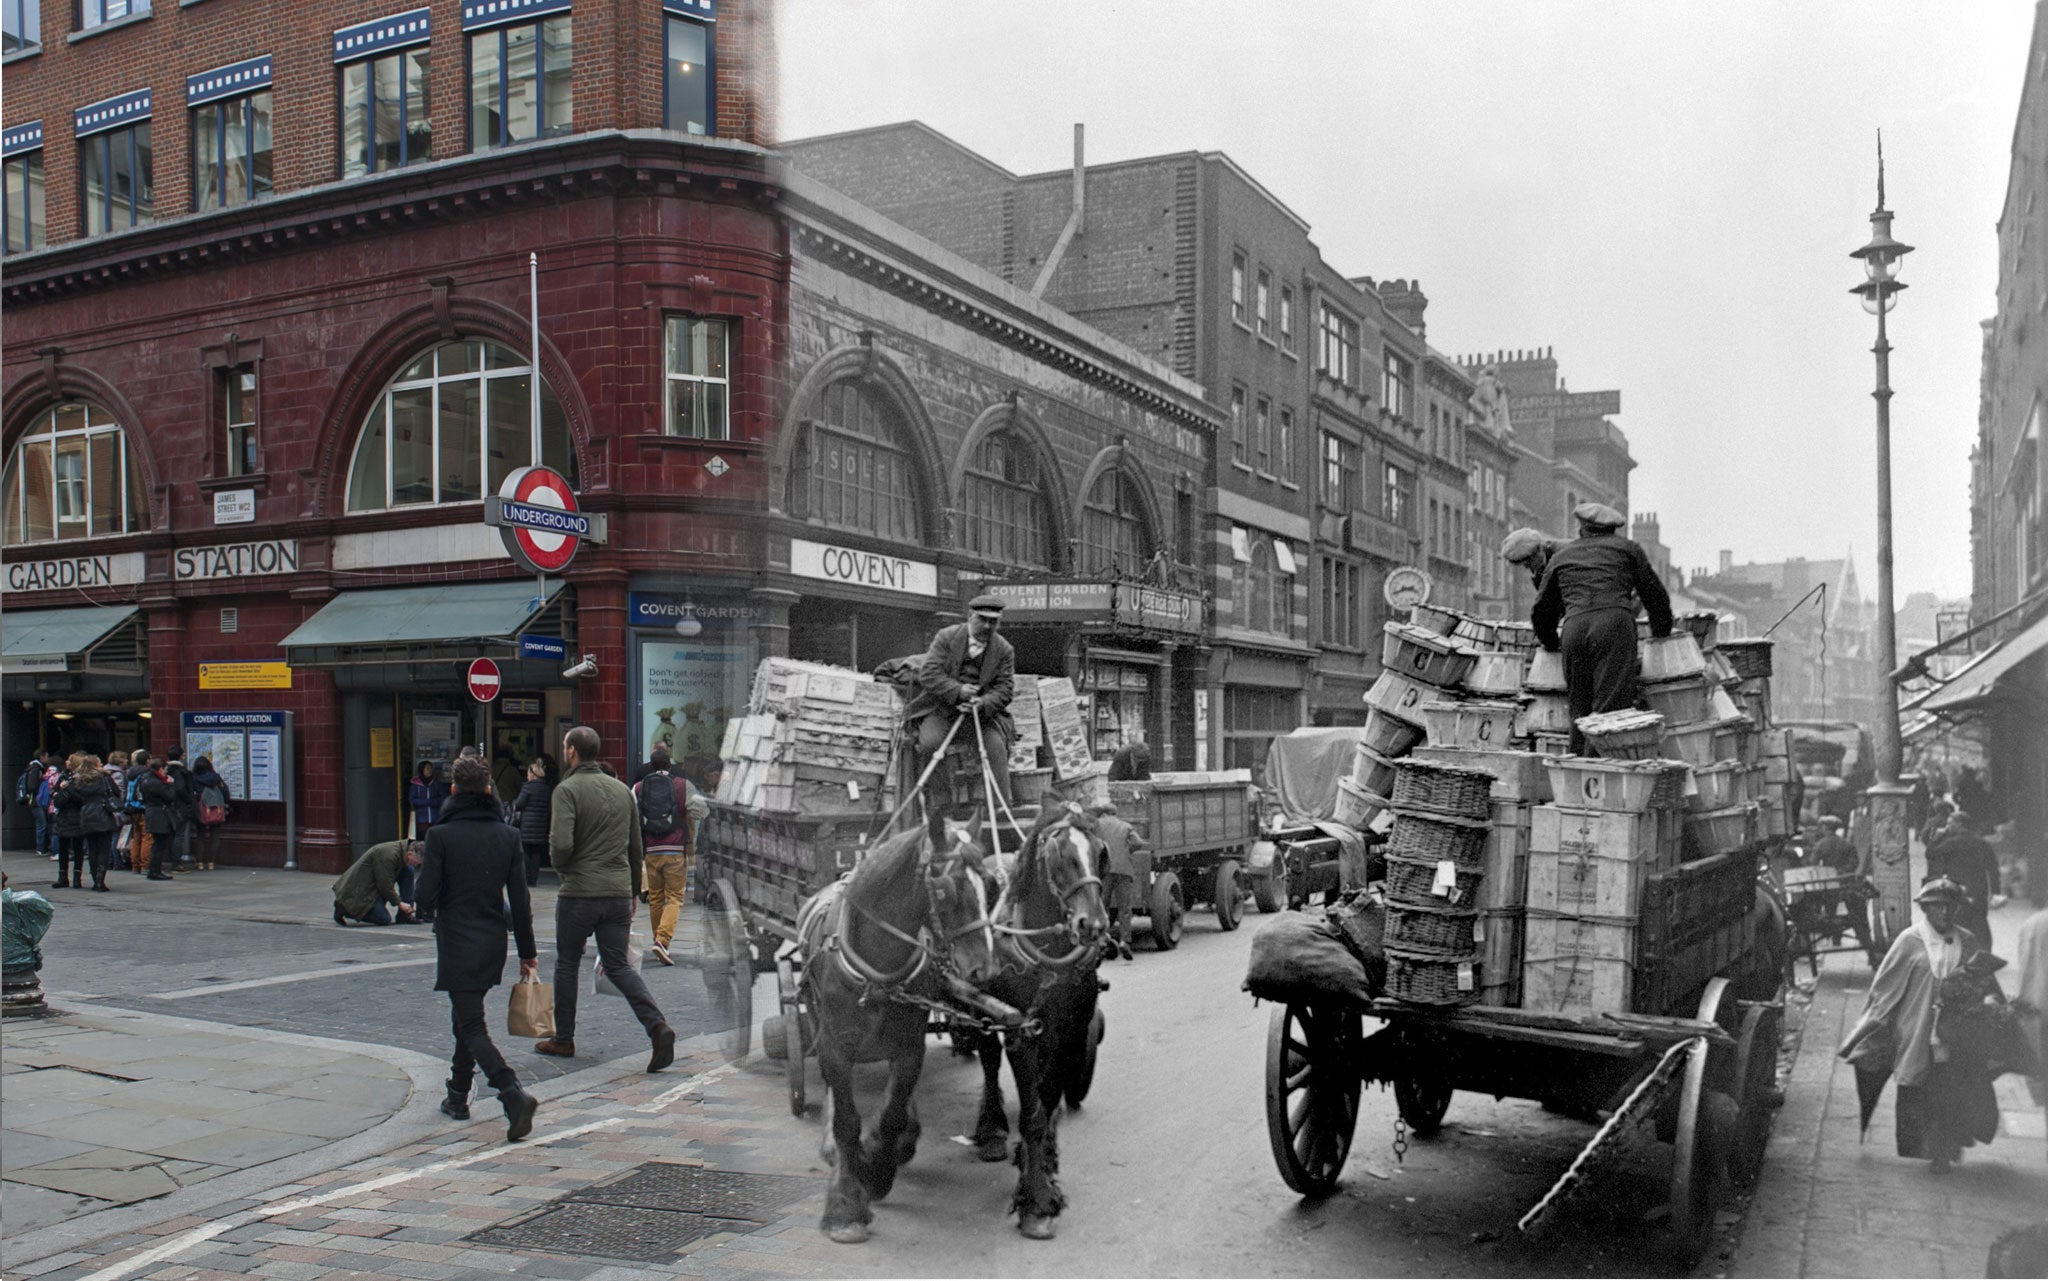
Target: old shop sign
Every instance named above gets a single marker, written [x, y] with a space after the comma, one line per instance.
[862, 569]
[114, 570]
[236, 560]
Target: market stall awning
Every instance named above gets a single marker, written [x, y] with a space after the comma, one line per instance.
[88, 638]
[1972, 686]
[437, 622]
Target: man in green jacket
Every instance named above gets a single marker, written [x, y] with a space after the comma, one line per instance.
[377, 884]
[595, 845]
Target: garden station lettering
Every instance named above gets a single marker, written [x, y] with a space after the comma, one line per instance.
[236, 560]
[74, 571]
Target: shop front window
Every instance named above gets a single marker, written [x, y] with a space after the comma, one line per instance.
[452, 426]
[72, 475]
[1115, 539]
[1007, 518]
[862, 475]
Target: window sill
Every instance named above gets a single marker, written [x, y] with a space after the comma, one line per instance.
[662, 440]
[1246, 468]
[1268, 340]
[105, 27]
[1289, 352]
[1244, 325]
[256, 480]
[1288, 484]
[21, 55]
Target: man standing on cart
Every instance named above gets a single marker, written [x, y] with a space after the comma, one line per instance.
[1587, 608]
[969, 671]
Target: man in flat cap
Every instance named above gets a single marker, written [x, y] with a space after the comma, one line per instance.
[968, 671]
[1532, 550]
[1586, 606]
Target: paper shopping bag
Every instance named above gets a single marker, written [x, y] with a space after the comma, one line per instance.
[532, 1010]
[602, 984]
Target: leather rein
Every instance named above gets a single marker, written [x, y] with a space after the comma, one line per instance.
[1027, 938]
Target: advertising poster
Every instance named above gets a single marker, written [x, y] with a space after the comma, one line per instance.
[266, 766]
[434, 736]
[1064, 729]
[688, 691]
[1024, 711]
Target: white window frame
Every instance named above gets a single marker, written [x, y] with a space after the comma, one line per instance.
[673, 381]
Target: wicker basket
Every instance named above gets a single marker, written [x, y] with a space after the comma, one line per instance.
[1443, 788]
[1388, 734]
[1413, 881]
[1679, 702]
[1431, 980]
[1426, 656]
[1438, 838]
[1748, 657]
[1438, 931]
[1029, 786]
[1625, 735]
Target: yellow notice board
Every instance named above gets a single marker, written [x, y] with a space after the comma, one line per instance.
[382, 751]
[245, 676]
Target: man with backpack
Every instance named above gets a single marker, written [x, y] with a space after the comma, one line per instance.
[28, 791]
[670, 809]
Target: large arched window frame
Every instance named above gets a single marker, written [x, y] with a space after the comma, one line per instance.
[72, 475]
[1005, 515]
[1116, 537]
[1263, 591]
[454, 423]
[861, 475]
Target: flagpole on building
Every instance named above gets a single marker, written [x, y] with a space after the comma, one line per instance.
[533, 297]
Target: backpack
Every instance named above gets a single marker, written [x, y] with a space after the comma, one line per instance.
[657, 804]
[43, 788]
[134, 803]
[213, 805]
[25, 786]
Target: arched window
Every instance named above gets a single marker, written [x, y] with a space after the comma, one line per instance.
[72, 475]
[1263, 592]
[1006, 515]
[452, 426]
[1115, 538]
[862, 476]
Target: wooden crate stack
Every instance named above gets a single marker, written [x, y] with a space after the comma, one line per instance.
[816, 740]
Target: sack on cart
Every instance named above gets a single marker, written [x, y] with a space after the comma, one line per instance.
[1296, 956]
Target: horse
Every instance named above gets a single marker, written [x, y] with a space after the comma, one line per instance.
[862, 955]
[1053, 894]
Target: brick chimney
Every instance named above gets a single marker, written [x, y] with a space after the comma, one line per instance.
[1727, 560]
[1407, 302]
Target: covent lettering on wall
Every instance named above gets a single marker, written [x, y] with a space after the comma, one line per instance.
[862, 568]
[236, 560]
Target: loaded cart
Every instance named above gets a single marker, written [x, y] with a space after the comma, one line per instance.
[1200, 829]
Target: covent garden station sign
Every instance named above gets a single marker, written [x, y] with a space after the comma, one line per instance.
[125, 569]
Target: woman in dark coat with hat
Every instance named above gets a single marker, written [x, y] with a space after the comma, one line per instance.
[473, 864]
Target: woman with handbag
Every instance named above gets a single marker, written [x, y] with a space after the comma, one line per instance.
[86, 804]
[213, 809]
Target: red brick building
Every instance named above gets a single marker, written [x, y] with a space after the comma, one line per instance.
[270, 345]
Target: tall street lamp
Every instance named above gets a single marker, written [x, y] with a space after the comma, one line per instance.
[1880, 292]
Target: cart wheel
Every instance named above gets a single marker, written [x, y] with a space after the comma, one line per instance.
[1706, 1118]
[793, 1024]
[1312, 1088]
[1083, 1074]
[729, 967]
[1270, 891]
[1756, 1077]
[1423, 1099]
[1165, 907]
[1228, 896]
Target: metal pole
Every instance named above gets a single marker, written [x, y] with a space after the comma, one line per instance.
[1889, 751]
[533, 298]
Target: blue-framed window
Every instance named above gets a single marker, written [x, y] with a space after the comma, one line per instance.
[117, 173]
[231, 151]
[520, 83]
[689, 78]
[22, 198]
[21, 26]
[97, 13]
[386, 119]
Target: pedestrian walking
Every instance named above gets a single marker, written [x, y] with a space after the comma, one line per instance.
[159, 794]
[471, 869]
[670, 809]
[1928, 981]
[1586, 607]
[117, 773]
[378, 888]
[184, 807]
[85, 805]
[213, 810]
[136, 812]
[1126, 864]
[530, 810]
[595, 843]
[425, 796]
[27, 788]
[1966, 858]
[70, 846]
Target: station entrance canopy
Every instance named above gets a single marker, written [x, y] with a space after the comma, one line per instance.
[90, 638]
[430, 623]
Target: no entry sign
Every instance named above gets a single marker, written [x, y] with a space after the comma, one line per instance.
[484, 680]
[535, 512]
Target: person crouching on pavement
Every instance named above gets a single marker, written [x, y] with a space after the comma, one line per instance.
[379, 884]
[670, 810]
[1586, 608]
[1127, 863]
[473, 865]
[595, 844]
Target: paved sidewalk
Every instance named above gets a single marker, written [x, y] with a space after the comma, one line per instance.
[1832, 1205]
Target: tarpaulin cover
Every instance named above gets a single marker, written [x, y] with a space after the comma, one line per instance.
[24, 919]
[1302, 769]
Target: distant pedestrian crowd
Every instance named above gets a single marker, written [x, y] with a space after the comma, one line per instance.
[152, 815]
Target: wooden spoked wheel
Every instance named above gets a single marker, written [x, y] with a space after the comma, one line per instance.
[795, 1042]
[729, 968]
[1755, 1081]
[1312, 1089]
[1692, 1194]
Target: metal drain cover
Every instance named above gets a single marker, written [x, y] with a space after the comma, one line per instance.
[606, 1231]
[721, 1193]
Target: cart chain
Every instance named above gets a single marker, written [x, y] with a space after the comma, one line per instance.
[1400, 1139]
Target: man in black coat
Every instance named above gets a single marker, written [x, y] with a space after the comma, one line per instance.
[473, 864]
[968, 671]
[1587, 608]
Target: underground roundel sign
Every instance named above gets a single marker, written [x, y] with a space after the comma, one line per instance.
[538, 519]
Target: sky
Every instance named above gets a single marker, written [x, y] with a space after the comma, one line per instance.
[1666, 195]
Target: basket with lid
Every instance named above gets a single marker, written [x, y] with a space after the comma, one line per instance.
[1667, 658]
[1426, 656]
[1388, 734]
[1446, 789]
[1623, 735]
[1471, 722]
[1750, 656]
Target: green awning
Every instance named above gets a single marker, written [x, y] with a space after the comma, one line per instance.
[60, 640]
[415, 624]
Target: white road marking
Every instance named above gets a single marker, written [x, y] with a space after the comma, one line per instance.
[197, 1236]
[275, 979]
[666, 1097]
